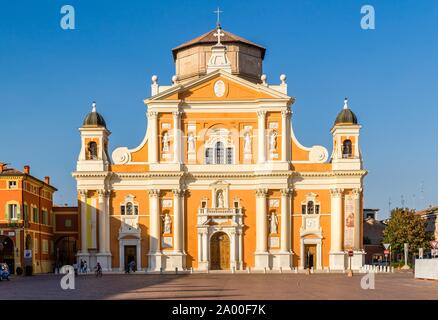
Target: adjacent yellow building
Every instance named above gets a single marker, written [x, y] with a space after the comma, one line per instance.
[220, 180]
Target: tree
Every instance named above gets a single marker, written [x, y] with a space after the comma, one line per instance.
[405, 226]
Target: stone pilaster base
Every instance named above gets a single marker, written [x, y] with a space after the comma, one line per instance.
[261, 261]
[357, 260]
[85, 256]
[175, 260]
[337, 260]
[104, 259]
[155, 260]
[203, 265]
[283, 260]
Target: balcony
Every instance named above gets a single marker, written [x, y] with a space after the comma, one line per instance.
[219, 211]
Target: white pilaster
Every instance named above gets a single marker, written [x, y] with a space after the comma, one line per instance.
[261, 254]
[104, 256]
[357, 244]
[177, 257]
[102, 219]
[83, 194]
[261, 114]
[285, 137]
[153, 136]
[176, 136]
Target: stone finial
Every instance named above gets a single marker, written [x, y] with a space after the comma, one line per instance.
[283, 78]
[174, 79]
[93, 106]
[263, 78]
[346, 103]
[154, 79]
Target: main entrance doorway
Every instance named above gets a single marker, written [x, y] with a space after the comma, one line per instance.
[130, 255]
[310, 255]
[220, 251]
[7, 252]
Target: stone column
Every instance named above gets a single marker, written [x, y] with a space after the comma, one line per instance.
[285, 220]
[176, 136]
[107, 222]
[83, 194]
[357, 244]
[155, 256]
[155, 221]
[153, 136]
[337, 256]
[285, 137]
[336, 220]
[102, 221]
[177, 221]
[261, 254]
[261, 136]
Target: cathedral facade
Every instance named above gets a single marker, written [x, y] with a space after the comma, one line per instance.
[220, 181]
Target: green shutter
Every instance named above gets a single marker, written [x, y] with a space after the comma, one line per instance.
[6, 212]
[18, 212]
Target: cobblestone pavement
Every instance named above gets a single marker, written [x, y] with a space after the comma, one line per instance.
[220, 286]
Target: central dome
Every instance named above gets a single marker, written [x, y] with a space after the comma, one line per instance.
[191, 58]
[94, 119]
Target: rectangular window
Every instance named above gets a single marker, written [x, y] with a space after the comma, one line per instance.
[13, 211]
[209, 156]
[303, 209]
[67, 223]
[317, 209]
[45, 246]
[12, 184]
[35, 215]
[136, 210]
[220, 157]
[229, 155]
[45, 217]
[122, 210]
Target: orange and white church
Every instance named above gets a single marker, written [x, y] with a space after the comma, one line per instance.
[220, 181]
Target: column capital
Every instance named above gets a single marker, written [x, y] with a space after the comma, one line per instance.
[154, 193]
[177, 113]
[152, 114]
[262, 192]
[178, 192]
[102, 194]
[261, 113]
[286, 191]
[356, 192]
[336, 192]
[83, 192]
[285, 112]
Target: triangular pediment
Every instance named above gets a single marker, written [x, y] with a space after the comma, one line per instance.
[219, 86]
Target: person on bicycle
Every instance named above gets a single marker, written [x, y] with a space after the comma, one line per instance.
[98, 269]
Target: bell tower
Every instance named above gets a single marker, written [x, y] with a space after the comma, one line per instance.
[346, 153]
[94, 143]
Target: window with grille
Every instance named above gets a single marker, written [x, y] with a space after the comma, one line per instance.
[209, 156]
[219, 153]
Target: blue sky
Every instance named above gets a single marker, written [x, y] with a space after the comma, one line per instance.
[50, 76]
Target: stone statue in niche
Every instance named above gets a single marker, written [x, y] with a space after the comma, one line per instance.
[273, 227]
[247, 142]
[167, 223]
[192, 142]
[273, 140]
[220, 200]
[165, 142]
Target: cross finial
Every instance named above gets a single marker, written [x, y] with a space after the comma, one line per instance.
[219, 34]
[93, 106]
[218, 12]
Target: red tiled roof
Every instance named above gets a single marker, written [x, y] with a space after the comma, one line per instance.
[427, 210]
[210, 38]
[9, 171]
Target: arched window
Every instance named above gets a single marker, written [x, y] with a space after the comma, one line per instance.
[347, 149]
[310, 207]
[92, 150]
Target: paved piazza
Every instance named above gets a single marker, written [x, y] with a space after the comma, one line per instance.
[220, 286]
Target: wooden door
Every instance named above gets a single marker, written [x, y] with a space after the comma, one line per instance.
[310, 256]
[220, 251]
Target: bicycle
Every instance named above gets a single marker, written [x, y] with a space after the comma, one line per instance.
[98, 273]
